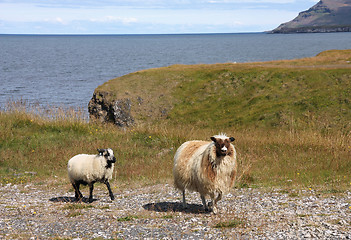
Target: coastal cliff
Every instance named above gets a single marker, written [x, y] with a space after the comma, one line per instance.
[325, 16]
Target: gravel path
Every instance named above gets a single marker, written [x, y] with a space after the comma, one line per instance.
[155, 212]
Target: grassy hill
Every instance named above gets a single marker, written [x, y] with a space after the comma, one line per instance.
[312, 92]
[291, 121]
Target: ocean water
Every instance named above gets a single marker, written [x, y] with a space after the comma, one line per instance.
[63, 71]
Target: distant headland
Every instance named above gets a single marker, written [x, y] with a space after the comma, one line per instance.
[325, 16]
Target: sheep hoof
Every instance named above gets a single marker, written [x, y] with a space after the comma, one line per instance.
[112, 197]
[215, 210]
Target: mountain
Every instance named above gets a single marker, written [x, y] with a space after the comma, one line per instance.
[325, 16]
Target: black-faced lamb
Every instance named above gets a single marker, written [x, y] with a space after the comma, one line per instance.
[87, 169]
[206, 167]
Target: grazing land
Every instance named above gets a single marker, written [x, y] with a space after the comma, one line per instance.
[291, 121]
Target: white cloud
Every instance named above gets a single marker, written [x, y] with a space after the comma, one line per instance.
[124, 20]
[252, 1]
[147, 4]
[55, 20]
[142, 15]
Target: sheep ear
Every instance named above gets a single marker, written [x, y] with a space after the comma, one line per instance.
[213, 139]
[231, 139]
[101, 151]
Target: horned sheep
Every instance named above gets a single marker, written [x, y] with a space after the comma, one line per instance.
[87, 169]
[206, 167]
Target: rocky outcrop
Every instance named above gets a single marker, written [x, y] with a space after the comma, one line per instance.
[319, 29]
[325, 16]
[116, 111]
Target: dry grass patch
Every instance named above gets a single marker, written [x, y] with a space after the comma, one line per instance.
[231, 223]
[266, 157]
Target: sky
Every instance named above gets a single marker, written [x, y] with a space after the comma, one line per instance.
[146, 16]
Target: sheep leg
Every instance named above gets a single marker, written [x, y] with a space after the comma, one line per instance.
[77, 193]
[91, 188]
[219, 197]
[109, 190]
[204, 202]
[184, 202]
[211, 204]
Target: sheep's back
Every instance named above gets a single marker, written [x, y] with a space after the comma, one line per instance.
[86, 167]
[185, 159]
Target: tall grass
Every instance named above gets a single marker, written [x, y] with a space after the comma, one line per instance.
[308, 158]
[291, 121]
[32, 142]
[271, 157]
[48, 113]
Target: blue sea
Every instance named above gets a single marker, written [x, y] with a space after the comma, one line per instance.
[64, 70]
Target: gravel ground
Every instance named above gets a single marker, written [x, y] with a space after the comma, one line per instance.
[155, 212]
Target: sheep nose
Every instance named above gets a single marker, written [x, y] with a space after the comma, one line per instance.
[224, 149]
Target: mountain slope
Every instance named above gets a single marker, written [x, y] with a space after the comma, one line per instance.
[325, 16]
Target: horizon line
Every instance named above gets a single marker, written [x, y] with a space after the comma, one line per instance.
[125, 34]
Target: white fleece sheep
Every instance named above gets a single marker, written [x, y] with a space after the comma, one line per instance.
[88, 169]
[206, 167]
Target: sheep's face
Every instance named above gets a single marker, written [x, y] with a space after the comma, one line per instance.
[222, 144]
[108, 154]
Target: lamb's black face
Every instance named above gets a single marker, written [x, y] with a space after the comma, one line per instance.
[222, 145]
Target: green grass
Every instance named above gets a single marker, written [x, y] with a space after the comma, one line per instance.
[291, 121]
[306, 93]
[265, 98]
[127, 218]
[73, 214]
[231, 224]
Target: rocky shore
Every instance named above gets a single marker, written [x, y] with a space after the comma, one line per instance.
[313, 29]
[31, 211]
